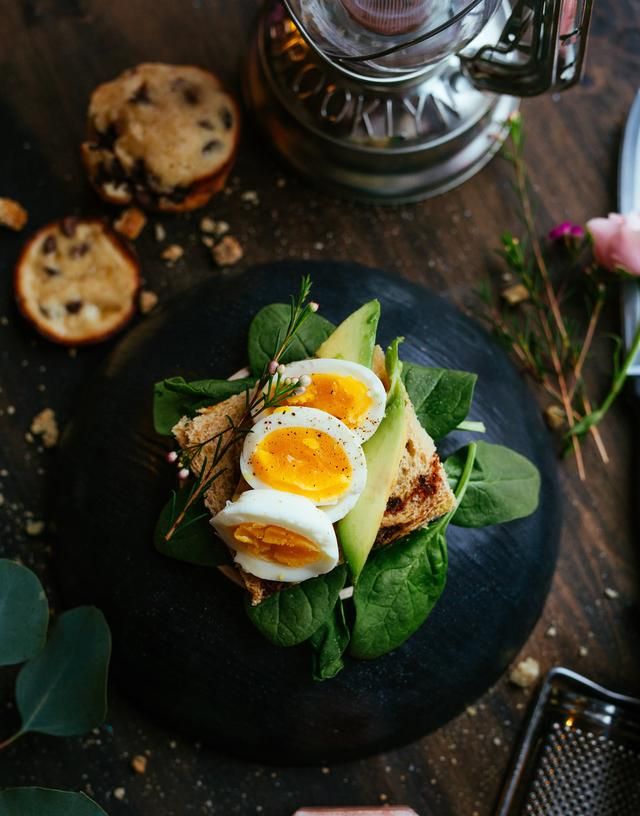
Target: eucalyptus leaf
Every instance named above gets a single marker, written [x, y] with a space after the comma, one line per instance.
[504, 486]
[195, 540]
[175, 397]
[441, 398]
[63, 691]
[24, 614]
[292, 615]
[397, 590]
[329, 643]
[46, 802]
[269, 327]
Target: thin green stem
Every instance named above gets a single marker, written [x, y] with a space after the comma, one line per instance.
[11, 740]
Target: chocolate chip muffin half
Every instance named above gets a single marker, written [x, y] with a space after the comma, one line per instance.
[76, 281]
[163, 135]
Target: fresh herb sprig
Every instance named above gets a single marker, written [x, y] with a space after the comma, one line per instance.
[271, 390]
[534, 315]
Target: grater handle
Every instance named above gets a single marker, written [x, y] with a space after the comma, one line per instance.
[542, 47]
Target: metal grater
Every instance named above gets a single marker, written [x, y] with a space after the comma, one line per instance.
[580, 755]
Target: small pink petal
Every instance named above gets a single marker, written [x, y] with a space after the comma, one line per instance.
[603, 232]
[626, 251]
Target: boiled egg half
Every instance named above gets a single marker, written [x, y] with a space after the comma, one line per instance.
[278, 536]
[349, 391]
[309, 453]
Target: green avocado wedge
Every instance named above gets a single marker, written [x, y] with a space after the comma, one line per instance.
[357, 531]
[355, 337]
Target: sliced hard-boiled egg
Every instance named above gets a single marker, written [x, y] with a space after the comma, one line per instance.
[278, 536]
[349, 391]
[309, 453]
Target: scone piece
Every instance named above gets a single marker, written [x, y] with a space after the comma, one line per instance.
[210, 422]
[163, 135]
[421, 491]
[76, 281]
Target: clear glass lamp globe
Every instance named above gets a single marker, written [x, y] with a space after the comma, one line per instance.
[391, 36]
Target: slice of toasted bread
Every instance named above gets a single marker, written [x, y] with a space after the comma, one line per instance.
[421, 492]
[205, 426]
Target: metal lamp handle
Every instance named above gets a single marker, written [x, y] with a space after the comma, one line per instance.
[542, 47]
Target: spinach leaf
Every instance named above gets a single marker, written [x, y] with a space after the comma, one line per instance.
[397, 590]
[195, 540]
[46, 802]
[504, 486]
[175, 398]
[24, 614]
[63, 691]
[442, 398]
[292, 615]
[329, 643]
[268, 328]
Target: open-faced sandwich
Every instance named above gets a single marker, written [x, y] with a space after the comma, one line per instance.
[313, 478]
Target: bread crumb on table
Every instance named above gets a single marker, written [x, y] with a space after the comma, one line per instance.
[130, 223]
[228, 252]
[611, 593]
[147, 300]
[160, 233]
[45, 425]
[119, 793]
[172, 253]
[525, 673]
[34, 528]
[139, 764]
[12, 214]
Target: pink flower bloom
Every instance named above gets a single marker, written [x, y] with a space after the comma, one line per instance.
[616, 242]
[566, 230]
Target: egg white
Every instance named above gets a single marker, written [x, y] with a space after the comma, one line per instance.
[320, 421]
[287, 510]
[345, 368]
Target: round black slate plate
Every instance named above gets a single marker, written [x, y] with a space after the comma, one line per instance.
[183, 647]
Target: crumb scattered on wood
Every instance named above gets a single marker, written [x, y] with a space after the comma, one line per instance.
[130, 223]
[207, 224]
[515, 294]
[45, 426]
[139, 764]
[555, 417]
[172, 253]
[611, 593]
[34, 528]
[12, 214]
[250, 197]
[551, 632]
[160, 232]
[525, 673]
[472, 711]
[208, 241]
[583, 651]
[228, 252]
[147, 300]
[119, 793]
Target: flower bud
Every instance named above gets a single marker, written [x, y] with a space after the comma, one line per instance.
[273, 367]
[313, 306]
[172, 457]
[183, 474]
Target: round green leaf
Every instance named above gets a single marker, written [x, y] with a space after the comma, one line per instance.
[63, 691]
[46, 802]
[24, 614]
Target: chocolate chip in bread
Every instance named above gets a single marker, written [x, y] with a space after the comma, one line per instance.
[162, 135]
[76, 281]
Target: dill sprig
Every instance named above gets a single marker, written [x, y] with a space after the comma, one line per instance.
[271, 390]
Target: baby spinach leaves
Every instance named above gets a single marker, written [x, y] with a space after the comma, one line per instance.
[400, 584]
[45, 801]
[268, 328]
[175, 398]
[441, 398]
[291, 616]
[24, 614]
[504, 486]
[61, 690]
[329, 643]
[194, 541]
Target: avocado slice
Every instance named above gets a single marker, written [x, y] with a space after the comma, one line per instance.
[357, 531]
[355, 337]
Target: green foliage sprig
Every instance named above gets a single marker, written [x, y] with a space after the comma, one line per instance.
[548, 316]
[61, 688]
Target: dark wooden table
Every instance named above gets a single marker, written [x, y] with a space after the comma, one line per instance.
[52, 53]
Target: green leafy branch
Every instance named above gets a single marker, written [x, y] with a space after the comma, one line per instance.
[61, 688]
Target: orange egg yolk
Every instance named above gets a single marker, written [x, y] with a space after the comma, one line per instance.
[269, 542]
[345, 397]
[304, 461]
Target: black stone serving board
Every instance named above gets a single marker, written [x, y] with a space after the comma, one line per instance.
[183, 646]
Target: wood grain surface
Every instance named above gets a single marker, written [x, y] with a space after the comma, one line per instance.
[52, 53]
